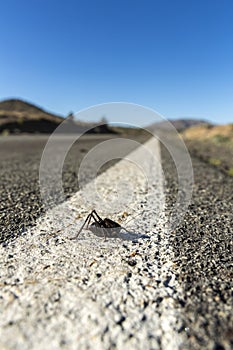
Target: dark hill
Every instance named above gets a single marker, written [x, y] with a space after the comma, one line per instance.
[17, 116]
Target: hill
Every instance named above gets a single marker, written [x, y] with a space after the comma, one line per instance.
[182, 124]
[179, 124]
[217, 133]
[17, 116]
[23, 106]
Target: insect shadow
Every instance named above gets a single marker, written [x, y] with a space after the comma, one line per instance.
[107, 228]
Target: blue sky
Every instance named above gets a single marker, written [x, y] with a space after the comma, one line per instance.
[175, 56]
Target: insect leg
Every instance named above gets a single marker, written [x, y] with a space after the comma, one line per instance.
[88, 221]
[94, 212]
[99, 223]
[124, 229]
[105, 233]
[80, 230]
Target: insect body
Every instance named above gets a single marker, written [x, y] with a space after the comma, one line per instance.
[100, 227]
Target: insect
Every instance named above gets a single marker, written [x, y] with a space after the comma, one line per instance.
[101, 226]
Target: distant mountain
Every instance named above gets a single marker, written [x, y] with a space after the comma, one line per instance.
[17, 116]
[179, 124]
[182, 124]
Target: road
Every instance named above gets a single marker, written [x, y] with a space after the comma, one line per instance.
[167, 292]
[20, 158]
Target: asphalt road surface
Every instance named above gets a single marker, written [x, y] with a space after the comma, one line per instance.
[20, 158]
[203, 245]
[201, 262]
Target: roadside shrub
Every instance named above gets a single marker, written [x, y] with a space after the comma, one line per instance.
[5, 132]
[221, 139]
[230, 172]
[214, 161]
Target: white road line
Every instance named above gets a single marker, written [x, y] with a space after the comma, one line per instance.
[88, 293]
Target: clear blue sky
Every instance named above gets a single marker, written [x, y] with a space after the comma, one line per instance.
[175, 56]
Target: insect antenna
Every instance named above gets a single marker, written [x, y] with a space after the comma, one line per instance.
[134, 216]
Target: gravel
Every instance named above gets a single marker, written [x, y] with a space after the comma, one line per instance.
[203, 247]
[142, 289]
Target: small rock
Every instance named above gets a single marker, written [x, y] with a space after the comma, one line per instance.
[132, 262]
